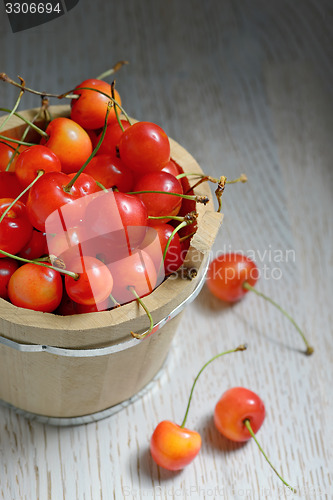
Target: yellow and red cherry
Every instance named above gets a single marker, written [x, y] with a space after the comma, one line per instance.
[33, 160]
[94, 283]
[231, 276]
[228, 273]
[234, 407]
[238, 416]
[70, 142]
[90, 108]
[34, 287]
[174, 447]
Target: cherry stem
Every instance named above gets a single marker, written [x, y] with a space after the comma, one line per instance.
[187, 236]
[28, 122]
[25, 133]
[241, 347]
[115, 302]
[6, 78]
[116, 106]
[309, 349]
[99, 184]
[68, 186]
[115, 103]
[15, 106]
[39, 174]
[16, 141]
[187, 220]
[221, 182]
[151, 326]
[249, 428]
[27, 261]
[112, 70]
[198, 199]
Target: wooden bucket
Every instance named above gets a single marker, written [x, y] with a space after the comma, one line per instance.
[67, 370]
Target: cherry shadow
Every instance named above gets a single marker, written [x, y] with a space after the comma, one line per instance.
[151, 470]
[213, 438]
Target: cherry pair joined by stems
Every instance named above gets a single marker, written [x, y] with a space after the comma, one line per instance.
[173, 446]
[231, 276]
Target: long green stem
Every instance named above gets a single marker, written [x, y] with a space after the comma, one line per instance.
[27, 261]
[26, 131]
[12, 111]
[6, 78]
[309, 349]
[39, 174]
[188, 174]
[28, 122]
[249, 428]
[16, 141]
[151, 322]
[116, 107]
[199, 199]
[239, 348]
[68, 186]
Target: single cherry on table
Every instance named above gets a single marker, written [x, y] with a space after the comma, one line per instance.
[238, 415]
[231, 276]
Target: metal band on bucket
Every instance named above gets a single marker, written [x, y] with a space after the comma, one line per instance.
[103, 351]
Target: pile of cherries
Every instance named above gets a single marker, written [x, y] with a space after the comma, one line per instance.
[91, 215]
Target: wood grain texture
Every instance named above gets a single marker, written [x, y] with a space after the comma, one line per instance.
[245, 86]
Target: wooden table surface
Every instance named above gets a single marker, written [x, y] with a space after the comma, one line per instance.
[245, 86]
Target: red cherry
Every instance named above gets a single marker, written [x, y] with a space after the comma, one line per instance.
[160, 204]
[70, 142]
[174, 447]
[103, 306]
[135, 271]
[35, 287]
[90, 108]
[15, 228]
[174, 256]
[172, 168]
[36, 246]
[112, 137]
[238, 416]
[235, 406]
[94, 283]
[34, 159]
[67, 306]
[110, 172]
[67, 245]
[6, 153]
[227, 275]
[48, 195]
[7, 149]
[7, 267]
[144, 147]
[10, 187]
[116, 224]
[232, 275]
